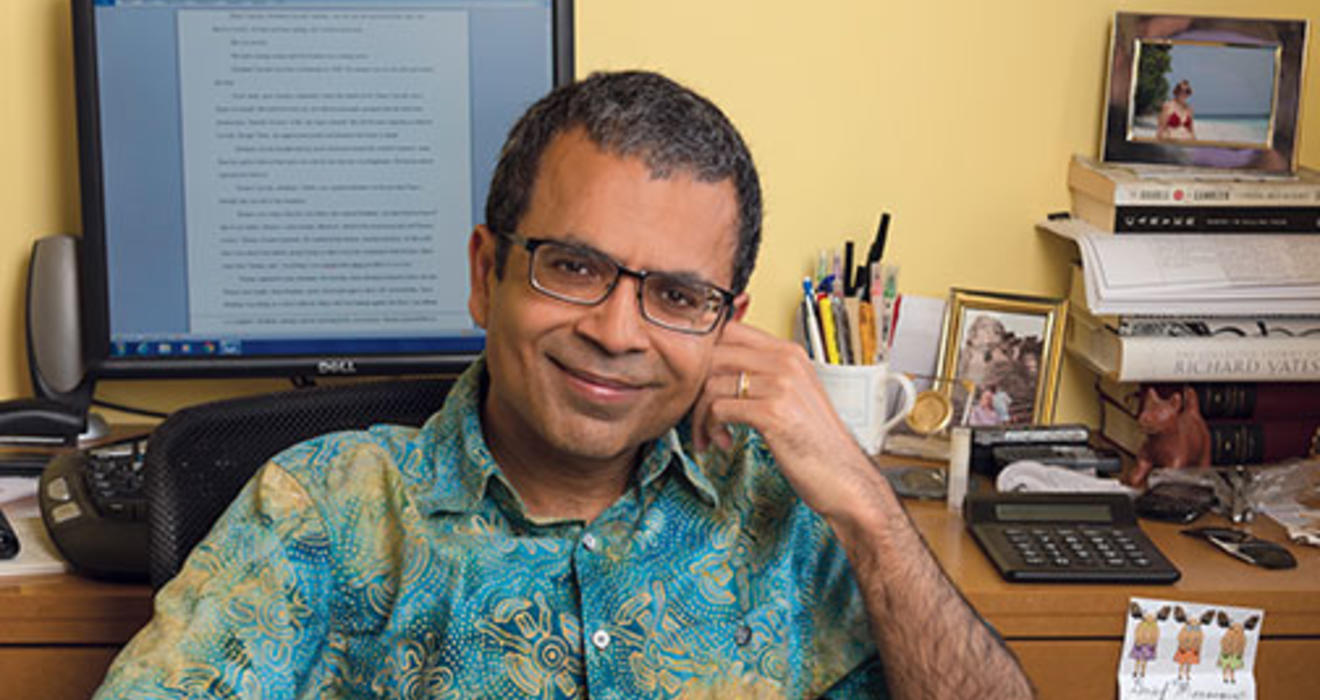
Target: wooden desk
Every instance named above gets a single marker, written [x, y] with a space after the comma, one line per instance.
[1069, 636]
[59, 633]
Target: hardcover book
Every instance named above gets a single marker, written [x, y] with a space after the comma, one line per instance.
[1123, 186]
[1231, 442]
[1249, 401]
[1193, 219]
[1120, 200]
[1190, 358]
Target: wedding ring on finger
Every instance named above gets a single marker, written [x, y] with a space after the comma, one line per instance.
[741, 393]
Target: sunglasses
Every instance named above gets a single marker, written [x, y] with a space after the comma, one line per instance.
[1246, 547]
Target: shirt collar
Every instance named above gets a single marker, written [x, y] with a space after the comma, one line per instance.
[669, 449]
[462, 466]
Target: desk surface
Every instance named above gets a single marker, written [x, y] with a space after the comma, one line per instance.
[66, 608]
[1067, 635]
[1290, 598]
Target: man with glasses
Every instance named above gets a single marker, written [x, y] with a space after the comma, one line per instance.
[631, 495]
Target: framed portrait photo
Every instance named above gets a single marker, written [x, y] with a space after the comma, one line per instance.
[1215, 92]
[1009, 348]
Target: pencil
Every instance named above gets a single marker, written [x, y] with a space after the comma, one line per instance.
[827, 329]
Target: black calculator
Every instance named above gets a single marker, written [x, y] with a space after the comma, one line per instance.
[1065, 538]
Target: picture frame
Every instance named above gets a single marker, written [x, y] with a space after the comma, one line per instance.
[1213, 92]
[1010, 346]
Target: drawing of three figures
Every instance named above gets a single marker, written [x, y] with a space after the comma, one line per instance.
[1231, 646]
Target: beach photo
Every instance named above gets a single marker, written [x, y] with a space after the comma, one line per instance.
[1204, 93]
[1008, 348]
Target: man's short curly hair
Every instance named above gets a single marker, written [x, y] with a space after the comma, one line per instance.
[633, 114]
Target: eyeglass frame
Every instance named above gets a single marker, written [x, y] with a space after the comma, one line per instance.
[530, 244]
[1232, 541]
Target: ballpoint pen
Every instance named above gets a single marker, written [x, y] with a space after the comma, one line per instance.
[812, 332]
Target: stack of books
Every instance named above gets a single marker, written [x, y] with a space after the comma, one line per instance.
[1120, 200]
[1207, 280]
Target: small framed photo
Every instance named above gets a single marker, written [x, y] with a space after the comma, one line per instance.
[1213, 92]
[1010, 348]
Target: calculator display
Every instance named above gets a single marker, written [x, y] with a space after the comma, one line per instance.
[1072, 512]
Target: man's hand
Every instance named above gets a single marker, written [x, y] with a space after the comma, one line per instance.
[931, 641]
[785, 402]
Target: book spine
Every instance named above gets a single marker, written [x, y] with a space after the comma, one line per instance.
[1120, 427]
[1250, 401]
[1218, 359]
[1259, 401]
[1223, 194]
[1100, 184]
[1256, 443]
[1215, 219]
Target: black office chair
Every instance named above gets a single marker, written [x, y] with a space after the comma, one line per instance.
[200, 457]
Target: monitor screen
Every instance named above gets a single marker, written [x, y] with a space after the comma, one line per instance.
[287, 186]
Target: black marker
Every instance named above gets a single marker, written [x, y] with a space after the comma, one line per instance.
[878, 245]
[849, 282]
[876, 251]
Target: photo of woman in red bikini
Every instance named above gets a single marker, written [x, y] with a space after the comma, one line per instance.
[1234, 93]
[1176, 114]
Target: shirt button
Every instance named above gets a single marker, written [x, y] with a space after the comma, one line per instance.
[600, 638]
[589, 541]
[742, 635]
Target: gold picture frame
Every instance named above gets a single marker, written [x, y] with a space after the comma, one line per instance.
[1010, 346]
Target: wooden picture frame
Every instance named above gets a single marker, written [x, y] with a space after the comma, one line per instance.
[1240, 82]
[1010, 346]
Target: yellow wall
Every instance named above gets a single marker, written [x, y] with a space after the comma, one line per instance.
[957, 116]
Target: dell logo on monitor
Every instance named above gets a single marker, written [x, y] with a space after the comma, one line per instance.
[336, 367]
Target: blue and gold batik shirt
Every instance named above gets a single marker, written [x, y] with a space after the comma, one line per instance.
[398, 562]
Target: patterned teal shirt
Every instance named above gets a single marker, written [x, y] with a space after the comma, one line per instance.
[398, 562]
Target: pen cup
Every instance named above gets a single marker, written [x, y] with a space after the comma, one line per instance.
[860, 395]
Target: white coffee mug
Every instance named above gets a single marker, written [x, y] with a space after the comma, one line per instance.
[860, 394]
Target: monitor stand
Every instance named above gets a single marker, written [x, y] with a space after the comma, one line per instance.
[97, 428]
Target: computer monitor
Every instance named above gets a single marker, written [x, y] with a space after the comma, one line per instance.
[286, 187]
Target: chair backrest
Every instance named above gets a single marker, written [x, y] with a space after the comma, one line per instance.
[200, 457]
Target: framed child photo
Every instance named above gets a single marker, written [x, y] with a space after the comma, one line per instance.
[1010, 348]
[1215, 92]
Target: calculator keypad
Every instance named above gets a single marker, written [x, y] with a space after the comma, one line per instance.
[1076, 547]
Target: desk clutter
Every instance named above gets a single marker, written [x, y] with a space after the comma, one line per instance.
[1047, 508]
[84, 510]
[94, 507]
[1196, 304]
[28, 549]
[849, 306]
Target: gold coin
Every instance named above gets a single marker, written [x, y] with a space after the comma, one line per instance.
[930, 413]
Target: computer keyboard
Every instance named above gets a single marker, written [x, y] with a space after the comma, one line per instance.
[95, 510]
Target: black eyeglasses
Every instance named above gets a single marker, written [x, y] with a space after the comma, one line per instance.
[580, 275]
[1246, 547]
